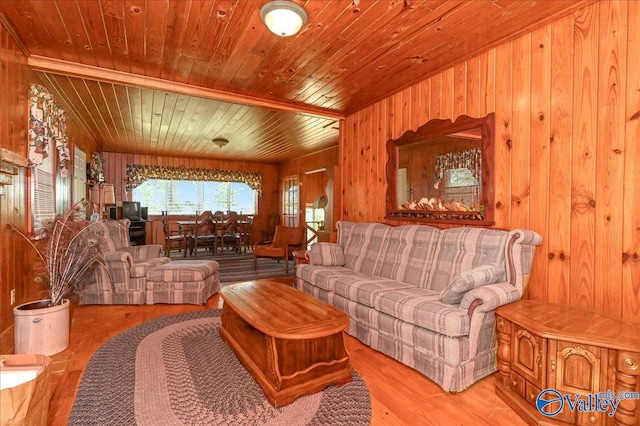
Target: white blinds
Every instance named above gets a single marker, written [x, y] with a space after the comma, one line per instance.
[44, 201]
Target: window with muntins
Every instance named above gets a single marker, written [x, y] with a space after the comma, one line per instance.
[291, 201]
[182, 197]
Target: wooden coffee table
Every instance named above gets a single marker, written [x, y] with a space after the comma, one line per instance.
[291, 343]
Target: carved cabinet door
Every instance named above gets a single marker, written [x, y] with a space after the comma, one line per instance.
[529, 356]
[578, 369]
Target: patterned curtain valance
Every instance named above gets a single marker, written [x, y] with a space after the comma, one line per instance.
[137, 174]
[47, 125]
[471, 159]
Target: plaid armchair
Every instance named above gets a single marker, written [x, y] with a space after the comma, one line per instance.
[125, 277]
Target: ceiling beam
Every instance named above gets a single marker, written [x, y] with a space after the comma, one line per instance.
[72, 69]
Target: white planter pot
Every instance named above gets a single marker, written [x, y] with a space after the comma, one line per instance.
[41, 329]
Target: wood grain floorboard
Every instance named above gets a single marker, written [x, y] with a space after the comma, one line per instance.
[399, 395]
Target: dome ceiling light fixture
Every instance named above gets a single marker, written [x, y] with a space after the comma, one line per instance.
[220, 141]
[283, 17]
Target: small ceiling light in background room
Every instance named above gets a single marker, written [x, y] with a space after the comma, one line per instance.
[220, 141]
[283, 17]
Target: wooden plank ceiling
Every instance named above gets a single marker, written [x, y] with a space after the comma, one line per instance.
[167, 76]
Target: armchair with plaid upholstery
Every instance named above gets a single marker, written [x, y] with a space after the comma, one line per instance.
[125, 277]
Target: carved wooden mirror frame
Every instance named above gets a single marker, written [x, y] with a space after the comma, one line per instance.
[426, 133]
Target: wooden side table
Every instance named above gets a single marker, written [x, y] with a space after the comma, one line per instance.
[573, 350]
[299, 257]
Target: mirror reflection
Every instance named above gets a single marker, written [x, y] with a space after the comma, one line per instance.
[441, 171]
[447, 168]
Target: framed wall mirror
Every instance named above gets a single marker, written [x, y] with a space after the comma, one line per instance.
[443, 172]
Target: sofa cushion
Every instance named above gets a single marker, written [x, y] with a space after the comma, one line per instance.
[183, 271]
[114, 234]
[365, 289]
[464, 281]
[323, 277]
[362, 244]
[461, 249]
[423, 308]
[141, 267]
[326, 254]
[407, 254]
[407, 342]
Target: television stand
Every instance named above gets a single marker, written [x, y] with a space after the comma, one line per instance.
[138, 232]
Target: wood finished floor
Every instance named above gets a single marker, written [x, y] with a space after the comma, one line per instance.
[399, 395]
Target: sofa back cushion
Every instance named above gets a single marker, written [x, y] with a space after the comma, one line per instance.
[462, 249]
[361, 243]
[407, 254]
[114, 233]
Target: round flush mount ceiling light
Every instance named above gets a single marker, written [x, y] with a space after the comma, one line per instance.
[283, 17]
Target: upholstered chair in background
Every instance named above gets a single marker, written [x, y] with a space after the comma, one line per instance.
[285, 241]
[125, 278]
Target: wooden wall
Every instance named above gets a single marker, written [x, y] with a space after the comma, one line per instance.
[310, 184]
[15, 254]
[567, 104]
[14, 91]
[115, 166]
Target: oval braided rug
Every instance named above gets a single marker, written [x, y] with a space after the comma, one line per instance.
[175, 370]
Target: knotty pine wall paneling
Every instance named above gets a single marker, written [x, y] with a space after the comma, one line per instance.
[581, 151]
[15, 254]
[558, 204]
[540, 135]
[14, 89]
[609, 154]
[631, 202]
[567, 103]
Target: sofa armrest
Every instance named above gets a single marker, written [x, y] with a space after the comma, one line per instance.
[117, 257]
[489, 297]
[519, 252]
[118, 270]
[150, 251]
[326, 254]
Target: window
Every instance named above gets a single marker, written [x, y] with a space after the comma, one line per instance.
[44, 197]
[291, 197]
[188, 196]
[460, 184]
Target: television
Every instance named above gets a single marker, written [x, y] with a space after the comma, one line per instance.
[131, 210]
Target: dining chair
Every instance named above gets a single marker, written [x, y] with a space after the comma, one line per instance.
[228, 234]
[246, 232]
[173, 239]
[204, 233]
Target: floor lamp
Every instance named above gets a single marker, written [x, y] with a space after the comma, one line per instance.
[102, 194]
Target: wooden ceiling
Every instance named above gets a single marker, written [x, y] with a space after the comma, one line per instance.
[167, 76]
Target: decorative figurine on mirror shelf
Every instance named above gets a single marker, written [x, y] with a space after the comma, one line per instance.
[443, 209]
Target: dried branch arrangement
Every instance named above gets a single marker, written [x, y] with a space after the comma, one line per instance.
[68, 252]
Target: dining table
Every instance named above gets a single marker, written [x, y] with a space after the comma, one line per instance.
[188, 227]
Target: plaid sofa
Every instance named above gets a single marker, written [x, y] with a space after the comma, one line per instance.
[422, 295]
